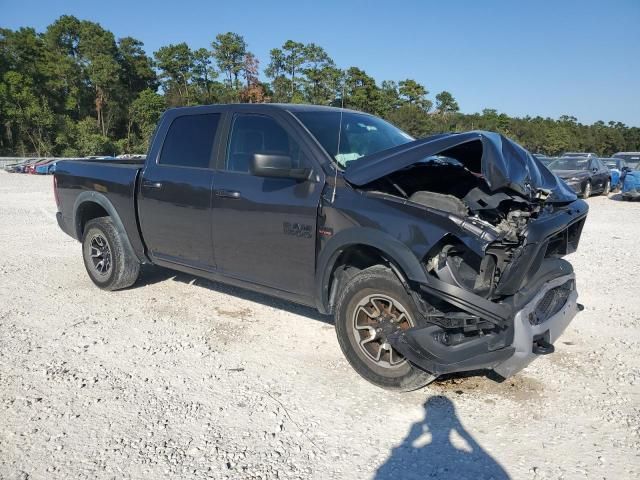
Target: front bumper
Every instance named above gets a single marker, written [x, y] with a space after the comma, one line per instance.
[506, 353]
[525, 334]
[576, 186]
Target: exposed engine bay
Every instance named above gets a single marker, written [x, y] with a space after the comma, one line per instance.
[452, 182]
[501, 223]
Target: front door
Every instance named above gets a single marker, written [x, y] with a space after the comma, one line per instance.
[175, 193]
[264, 229]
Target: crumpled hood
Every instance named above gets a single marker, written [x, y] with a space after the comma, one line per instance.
[501, 162]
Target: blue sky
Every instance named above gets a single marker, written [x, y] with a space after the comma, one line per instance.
[543, 58]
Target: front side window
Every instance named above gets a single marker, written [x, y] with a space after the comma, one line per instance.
[252, 134]
[189, 141]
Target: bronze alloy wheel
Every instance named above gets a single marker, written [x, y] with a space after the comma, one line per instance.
[374, 319]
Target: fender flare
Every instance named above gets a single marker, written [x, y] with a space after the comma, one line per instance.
[104, 202]
[395, 251]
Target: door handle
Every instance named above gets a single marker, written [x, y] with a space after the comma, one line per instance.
[227, 193]
[148, 184]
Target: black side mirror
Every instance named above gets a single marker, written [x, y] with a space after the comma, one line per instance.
[276, 166]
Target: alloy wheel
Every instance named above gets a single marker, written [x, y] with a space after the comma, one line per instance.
[100, 254]
[375, 318]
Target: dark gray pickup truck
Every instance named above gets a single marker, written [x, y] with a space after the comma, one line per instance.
[437, 255]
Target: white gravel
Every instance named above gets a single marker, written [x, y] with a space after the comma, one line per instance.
[180, 377]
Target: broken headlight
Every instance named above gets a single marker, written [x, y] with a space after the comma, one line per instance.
[457, 265]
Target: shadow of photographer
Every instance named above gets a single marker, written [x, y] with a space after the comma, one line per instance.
[428, 451]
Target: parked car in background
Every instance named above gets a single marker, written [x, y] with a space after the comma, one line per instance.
[31, 168]
[23, 166]
[632, 159]
[631, 185]
[580, 154]
[617, 167]
[585, 175]
[17, 166]
[47, 167]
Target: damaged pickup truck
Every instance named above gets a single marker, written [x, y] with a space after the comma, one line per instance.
[435, 256]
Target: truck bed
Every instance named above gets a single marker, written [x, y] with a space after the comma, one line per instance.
[115, 180]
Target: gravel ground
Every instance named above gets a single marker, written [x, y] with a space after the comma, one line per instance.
[181, 377]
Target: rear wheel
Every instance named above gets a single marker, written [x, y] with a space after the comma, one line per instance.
[373, 305]
[109, 261]
[586, 191]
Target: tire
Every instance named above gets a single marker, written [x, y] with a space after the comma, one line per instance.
[607, 188]
[102, 242]
[587, 190]
[377, 284]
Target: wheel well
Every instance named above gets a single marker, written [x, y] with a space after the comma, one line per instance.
[352, 260]
[88, 211]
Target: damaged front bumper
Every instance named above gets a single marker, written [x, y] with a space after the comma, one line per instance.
[533, 338]
[531, 332]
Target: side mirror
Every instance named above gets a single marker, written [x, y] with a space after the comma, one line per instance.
[276, 166]
[594, 169]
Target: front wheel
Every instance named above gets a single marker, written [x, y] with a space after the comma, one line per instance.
[607, 187]
[372, 306]
[109, 261]
[586, 191]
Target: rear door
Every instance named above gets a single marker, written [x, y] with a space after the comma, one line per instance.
[264, 229]
[174, 200]
[600, 176]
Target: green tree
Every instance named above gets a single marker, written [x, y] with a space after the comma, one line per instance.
[414, 94]
[136, 66]
[445, 103]
[175, 62]
[203, 75]
[99, 54]
[90, 141]
[284, 67]
[360, 91]
[144, 115]
[28, 118]
[229, 50]
[389, 98]
[321, 77]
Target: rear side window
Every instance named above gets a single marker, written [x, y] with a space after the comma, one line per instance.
[189, 141]
[253, 134]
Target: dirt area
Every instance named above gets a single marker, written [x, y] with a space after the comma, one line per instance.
[181, 377]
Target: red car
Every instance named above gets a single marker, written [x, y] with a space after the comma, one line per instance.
[31, 168]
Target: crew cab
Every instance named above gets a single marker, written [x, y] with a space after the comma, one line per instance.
[438, 255]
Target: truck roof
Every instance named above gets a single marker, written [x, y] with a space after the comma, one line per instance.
[292, 107]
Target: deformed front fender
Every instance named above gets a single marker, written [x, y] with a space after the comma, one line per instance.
[395, 251]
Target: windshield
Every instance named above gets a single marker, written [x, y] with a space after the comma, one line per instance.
[361, 134]
[570, 164]
[632, 159]
[612, 163]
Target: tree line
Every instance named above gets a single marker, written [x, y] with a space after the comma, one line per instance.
[76, 90]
